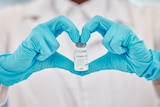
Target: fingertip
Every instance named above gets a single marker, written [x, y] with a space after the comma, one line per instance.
[84, 39]
[74, 35]
[85, 36]
[55, 45]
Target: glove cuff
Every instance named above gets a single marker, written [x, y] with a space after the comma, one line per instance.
[153, 71]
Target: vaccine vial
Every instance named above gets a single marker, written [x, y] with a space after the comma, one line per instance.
[80, 57]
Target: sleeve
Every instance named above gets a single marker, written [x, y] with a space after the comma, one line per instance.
[3, 94]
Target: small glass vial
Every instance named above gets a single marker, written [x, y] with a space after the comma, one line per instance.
[80, 57]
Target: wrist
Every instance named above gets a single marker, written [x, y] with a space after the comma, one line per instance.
[153, 71]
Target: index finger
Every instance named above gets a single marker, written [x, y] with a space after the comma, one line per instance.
[97, 23]
[62, 23]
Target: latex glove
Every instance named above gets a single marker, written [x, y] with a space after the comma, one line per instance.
[38, 51]
[126, 52]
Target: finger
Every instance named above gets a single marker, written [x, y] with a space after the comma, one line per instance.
[63, 62]
[113, 40]
[46, 44]
[104, 62]
[120, 39]
[111, 61]
[60, 24]
[98, 24]
[108, 38]
[40, 43]
[54, 61]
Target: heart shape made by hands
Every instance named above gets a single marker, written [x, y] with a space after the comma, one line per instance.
[39, 50]
[126, 51]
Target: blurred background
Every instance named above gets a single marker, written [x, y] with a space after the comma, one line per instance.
[140, 3]
[4, 3]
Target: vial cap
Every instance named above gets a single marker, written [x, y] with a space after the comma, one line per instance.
[80, 45]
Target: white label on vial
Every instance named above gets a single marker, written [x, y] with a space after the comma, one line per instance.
[80, 59]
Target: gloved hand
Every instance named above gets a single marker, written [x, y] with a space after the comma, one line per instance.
[38, 51]
[126, 52]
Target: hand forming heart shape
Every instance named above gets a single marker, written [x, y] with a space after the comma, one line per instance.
[38, 50]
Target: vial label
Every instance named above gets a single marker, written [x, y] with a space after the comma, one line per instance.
[80, 59]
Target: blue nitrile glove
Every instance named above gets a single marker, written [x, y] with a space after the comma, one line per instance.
[38, 51]
[153, 71]
[126, 52]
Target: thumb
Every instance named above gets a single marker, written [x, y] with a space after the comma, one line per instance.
[56, 60]
[110, 61]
